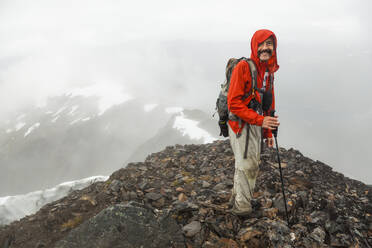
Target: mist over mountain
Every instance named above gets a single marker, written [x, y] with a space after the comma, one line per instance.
[72, 137]
[178, 131]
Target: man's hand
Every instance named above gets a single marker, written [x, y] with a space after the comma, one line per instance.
[270, 122]
[270, 142]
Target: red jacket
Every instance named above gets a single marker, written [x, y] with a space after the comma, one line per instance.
[241, 75]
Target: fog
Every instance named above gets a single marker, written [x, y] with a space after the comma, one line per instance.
[175, 53]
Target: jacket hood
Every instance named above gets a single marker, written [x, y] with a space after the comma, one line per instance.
[259, 37]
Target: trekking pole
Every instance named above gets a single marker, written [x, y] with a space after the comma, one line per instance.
[275, 132]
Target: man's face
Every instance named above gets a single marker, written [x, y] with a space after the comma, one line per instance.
[265, 49]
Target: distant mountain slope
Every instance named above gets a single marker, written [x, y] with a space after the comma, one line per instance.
[73, 137]
[16, 207]
[184, 127]
[69, 139]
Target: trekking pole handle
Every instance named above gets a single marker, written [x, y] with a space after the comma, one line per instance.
[274, 131]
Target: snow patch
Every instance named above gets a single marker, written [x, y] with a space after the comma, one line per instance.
[55, 118]
[73, 109]
[4, 199]
[19, 126]
[74, 121]
[49, 112]
[173, 110]
[149, 107]
[190, 128]
[108, 95]
[59, 111]
[9, 131]
[16, 207]
[80, 119]
[32, 128]
[85, 119]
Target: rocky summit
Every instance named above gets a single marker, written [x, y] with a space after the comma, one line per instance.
[179, 198]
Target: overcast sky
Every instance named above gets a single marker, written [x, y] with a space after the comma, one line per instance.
[175, 52]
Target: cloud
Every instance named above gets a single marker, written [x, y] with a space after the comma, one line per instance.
[172, 52]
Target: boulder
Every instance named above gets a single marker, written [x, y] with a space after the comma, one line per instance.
[125, 226]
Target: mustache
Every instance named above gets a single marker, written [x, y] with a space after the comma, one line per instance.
[270, 52]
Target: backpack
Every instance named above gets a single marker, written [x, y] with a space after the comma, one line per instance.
[221, 103]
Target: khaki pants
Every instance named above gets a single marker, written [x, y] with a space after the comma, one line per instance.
[246, 170]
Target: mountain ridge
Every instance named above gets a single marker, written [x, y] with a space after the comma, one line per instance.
[190, 186]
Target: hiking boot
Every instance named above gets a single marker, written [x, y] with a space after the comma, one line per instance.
[242, 213]
[256, 205]
[231, 201]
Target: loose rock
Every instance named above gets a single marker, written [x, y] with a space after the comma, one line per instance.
[191, 229]
[188, 188]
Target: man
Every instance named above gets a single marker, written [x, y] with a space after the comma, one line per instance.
[251, 119]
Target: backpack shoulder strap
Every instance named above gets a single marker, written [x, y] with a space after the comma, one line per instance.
[253, 71]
